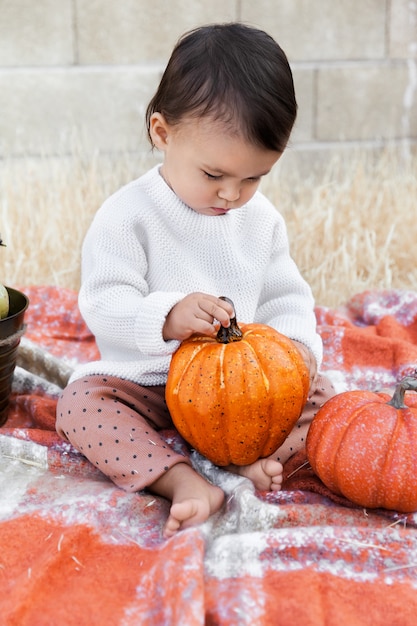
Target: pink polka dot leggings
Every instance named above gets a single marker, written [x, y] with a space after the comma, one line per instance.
[115, 424]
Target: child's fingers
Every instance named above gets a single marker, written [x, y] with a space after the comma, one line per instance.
[217, 310]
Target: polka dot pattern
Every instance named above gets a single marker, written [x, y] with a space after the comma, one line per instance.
[295, 441]
[115, 424]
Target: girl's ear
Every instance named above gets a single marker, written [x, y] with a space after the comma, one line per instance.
[159, 131]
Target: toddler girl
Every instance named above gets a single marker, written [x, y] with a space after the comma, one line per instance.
[163, 248]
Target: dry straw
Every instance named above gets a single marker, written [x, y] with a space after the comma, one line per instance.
[352, 228]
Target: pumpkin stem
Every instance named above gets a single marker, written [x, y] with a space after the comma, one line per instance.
[232, 332]
[408, 383]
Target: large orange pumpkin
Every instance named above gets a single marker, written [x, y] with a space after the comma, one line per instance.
[235, 398]
[363, 445]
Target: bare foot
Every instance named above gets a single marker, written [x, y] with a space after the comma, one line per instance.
[266, 474]
[193, 498]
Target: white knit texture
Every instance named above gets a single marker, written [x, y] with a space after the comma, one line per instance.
[145, 250]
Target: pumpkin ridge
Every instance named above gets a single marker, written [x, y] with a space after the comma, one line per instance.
[185, 367]
[412, 438]
[336, 459]
[221, 364]
[403, 426]
[258, 362]
[357, 418]
[389, 456]
[236, 357]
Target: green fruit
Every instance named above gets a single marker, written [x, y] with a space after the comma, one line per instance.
[4, 302]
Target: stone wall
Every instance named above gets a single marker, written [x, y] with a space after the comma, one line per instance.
[84, 70]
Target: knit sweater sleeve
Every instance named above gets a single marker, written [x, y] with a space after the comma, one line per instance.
[286, 301]
[114, 298]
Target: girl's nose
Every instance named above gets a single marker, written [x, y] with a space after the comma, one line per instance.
[230, 193]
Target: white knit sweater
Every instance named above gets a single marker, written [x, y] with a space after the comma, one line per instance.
[145, 250]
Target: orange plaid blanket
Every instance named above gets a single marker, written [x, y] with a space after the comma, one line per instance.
[75, 549]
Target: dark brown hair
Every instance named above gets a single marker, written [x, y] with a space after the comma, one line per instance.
[235, 74]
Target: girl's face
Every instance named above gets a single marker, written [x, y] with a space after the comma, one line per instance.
[207, 167]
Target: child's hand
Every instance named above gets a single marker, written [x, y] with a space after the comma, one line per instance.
[309, 360]
[196, 313]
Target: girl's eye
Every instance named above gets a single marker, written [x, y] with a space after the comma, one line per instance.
[211, 176]
[252, 179]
